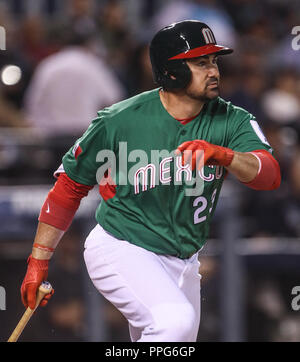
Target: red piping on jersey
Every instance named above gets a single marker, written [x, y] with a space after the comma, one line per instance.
[107, 187]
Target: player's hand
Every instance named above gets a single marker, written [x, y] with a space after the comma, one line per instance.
[37, 272]
[202, 153]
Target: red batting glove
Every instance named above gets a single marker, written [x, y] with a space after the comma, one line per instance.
[37, 272]
[202, 153]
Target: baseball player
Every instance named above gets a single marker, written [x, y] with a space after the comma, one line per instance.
[147, 153]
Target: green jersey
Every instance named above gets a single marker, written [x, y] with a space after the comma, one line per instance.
[158, 204]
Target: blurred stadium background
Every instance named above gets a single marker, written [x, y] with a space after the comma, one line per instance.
[64, 60]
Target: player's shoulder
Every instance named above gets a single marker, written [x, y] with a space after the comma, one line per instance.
[227, 108]
[135, 104]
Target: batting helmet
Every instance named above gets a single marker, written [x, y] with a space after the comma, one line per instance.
[175, 43]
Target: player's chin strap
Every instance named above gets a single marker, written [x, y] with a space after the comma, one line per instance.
[62, 202]
[268, 176]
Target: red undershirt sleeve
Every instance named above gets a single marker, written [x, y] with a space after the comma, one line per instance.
[62, 202]
[268, 176]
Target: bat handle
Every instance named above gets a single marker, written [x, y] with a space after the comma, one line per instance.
[44, 289]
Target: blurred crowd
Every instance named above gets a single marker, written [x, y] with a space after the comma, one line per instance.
[65, 60]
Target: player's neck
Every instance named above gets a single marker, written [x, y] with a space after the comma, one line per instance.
[179, 105]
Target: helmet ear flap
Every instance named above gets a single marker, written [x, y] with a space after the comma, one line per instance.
[176, 74]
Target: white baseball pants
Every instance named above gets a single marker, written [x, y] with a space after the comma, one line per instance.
[159, 295]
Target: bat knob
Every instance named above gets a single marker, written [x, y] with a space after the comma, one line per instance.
[45, 287]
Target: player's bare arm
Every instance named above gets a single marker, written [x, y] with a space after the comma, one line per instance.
[46, 240]
[244, 166]
[257, 169]
[55, 218]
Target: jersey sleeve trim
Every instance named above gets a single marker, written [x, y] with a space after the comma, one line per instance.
[77, 178]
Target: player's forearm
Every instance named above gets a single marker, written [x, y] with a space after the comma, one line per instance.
[57, 214]
[46, 240]
[244, 166]
[258, 170]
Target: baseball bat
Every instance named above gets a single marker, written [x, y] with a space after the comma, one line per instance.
[44, 289]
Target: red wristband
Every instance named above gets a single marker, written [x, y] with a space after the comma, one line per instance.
[44, 248]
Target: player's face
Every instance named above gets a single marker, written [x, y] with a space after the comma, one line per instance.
[204, 84]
